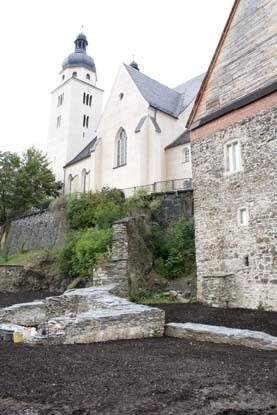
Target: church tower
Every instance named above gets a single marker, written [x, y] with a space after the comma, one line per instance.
[76, 107]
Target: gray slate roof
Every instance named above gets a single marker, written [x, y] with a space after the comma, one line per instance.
[184, 138]
[90, 147]
[172, 101]
[190, 89]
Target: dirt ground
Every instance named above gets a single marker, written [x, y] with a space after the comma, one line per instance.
[152, 376]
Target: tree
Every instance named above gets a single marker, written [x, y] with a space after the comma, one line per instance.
[9, 165]
[35, 181]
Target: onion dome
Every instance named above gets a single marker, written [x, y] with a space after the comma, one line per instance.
[79, 57]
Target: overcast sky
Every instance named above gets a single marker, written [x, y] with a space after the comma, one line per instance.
[172, 40]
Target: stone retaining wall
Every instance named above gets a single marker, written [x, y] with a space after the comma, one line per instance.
[174, 205]
[42, 230]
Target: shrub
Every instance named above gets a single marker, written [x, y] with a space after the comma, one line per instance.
[141, 202]
[83, 249]
[174, 249]
[95, 209]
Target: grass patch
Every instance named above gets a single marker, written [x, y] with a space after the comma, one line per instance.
[25, 258]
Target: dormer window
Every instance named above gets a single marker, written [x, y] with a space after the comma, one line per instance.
[74, 74]
[88, 76]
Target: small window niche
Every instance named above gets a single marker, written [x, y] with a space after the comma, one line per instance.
[121, 95]
[87, 76]
[232, 156]
[243, 216]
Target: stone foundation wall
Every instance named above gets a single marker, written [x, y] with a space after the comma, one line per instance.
[223, 247]
[9, 275]
[43, 230]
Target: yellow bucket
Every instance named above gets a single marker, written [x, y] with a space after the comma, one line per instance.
[17, 337]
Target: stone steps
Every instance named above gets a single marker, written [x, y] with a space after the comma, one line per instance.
[218, 334]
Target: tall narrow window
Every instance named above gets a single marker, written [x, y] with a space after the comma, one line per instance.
[87, 121]
[121, 148]
[232, 157]
[59, 120]
[243, 216]
[84, 98]
[88, 76]
[87, 99]
[90, 99]
[185, 155]
[84, 121]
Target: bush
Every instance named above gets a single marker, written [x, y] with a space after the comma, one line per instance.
[174, 249]
[141, 202]
[95, 209]
[83, 249]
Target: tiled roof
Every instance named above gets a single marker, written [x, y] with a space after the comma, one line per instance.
[90, 147]
[184, 138]
[172, 101]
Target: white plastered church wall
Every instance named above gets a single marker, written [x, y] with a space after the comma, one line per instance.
[122, 113]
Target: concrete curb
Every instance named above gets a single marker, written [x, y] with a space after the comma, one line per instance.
[218, 334]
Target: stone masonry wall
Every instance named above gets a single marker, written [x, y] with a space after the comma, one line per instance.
[130, 255]
[8, 276]
[224, 248]
[42, 230]
[174, 205]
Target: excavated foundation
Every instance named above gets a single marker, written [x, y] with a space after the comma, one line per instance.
[87, 315]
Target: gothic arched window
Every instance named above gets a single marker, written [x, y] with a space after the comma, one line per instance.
[121, 148]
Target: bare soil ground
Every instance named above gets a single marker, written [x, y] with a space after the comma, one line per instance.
[152, 376]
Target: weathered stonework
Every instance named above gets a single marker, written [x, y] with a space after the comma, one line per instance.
[86, 315]
[219, 334]
[9, 275]
[42, 230]
[130, 255]
[174, 206]
[240, 262]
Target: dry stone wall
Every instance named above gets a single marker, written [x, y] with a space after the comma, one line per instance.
[238, 261]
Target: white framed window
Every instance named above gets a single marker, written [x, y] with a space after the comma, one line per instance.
[243, 216]
[59, 121]
[185, 156]
[232, 157]
[121, 148]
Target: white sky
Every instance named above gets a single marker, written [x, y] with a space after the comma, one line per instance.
[173, 41]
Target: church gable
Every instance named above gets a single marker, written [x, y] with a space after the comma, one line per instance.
[244, 59]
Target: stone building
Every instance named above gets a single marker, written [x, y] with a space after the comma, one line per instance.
[234, 155]
[137, 140]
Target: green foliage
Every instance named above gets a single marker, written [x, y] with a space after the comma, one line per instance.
[261, 307]
[95, 209]
[34, 181]
[9, 165]
[174, 249]
[141, 203]
[83, 249]
[25, 182]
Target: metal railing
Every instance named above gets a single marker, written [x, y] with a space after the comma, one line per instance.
[161, 187]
